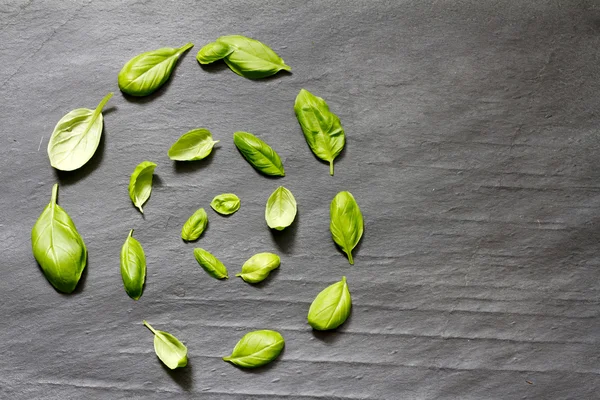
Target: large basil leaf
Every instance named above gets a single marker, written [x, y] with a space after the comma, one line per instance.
[322, 128]
[194, 226]
[140, 183]
[256, 349]
[258, 267]
[133, 267]
[281, 209]
[245, 56]
[211, 264]
[346, 222]
[331, 307]
[76, 137]
[259, 154]
[58, 247]
[194, 145]
[226, 203]
[168, 348]
[147, 72]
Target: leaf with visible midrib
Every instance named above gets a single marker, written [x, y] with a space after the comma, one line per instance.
[256, 349]
[140, 183]
[146, 72]
[133, 267]
[57, 246]
[331, 307]
[211, 264]
[258, 267]
[213, 51]
[76, 137]
[259, 154]
[322, 128]
[281, 209]
[346, 222]
[194, 226]
[226, 203]
[192, 146]
[168, 348]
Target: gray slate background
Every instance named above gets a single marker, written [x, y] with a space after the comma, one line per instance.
[472, 148]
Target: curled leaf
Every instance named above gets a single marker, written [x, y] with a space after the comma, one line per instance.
[331, 307]
[346, 222]
[213, 51]
[226, 203]
[259, 154]
[57, 246]
[133, 267]
[140, 183]
[194, 226]
[211, 264]
[258, 267]
[194, 145]
[256, 349]
[168, 348]
[281, 209]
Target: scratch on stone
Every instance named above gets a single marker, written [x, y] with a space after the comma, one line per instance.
[40, 146]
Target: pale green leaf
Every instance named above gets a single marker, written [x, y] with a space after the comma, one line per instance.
[256, 349]
[281, 209]
[194, 226]
[213, 51]
[226, 203]
[258, 267]
[133, 267]
[259, 154]
[140, 183]
[346, 222]
[211, 264]
[331, 307]
[192, 146]
[168, 348]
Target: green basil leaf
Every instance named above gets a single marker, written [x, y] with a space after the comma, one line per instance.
[226, 203]
[213, 51]
[58, 247]
[256, 349]
[211, 264]
[322, 128]
[259, 154]
[258, 267]
[192, 146]
[245, 56]
[76, 137]
[147, 72]
[281, 209]
[133, 267]
[168, 348]
[140, 183]
[194, 226]
[346, 222]
[331, 307]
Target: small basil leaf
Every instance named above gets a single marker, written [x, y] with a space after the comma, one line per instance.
[57, 246]
[322, 128]
[226, 203]
[258, 267]
[192, 146]
[259, 154]
[168, 348]
[213, 51]
[331, 307]
[281, 209]
[249, 58]
[76, 137]
[194, 226]
[140, 183]
[147, 72]
[211, 264]
[346, 222]
[256, 349]
[133, 267]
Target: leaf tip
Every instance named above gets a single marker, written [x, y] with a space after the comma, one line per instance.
[227, 358]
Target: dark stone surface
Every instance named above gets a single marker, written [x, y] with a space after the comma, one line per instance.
[472, 149]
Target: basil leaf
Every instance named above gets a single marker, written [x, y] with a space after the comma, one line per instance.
[259, 154]
[192, 146]
[168, 348]
[76, 137]
[57, 246]
[256, 349]
[331, 307]
[245, 56]
[258, 267]
[226, 203]
[211, 264]
[281, 209]
[140, 183]
[133, 267]
[322, 128]
[194, 226]
[147, 72]
[213, 52]
[346, 222]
